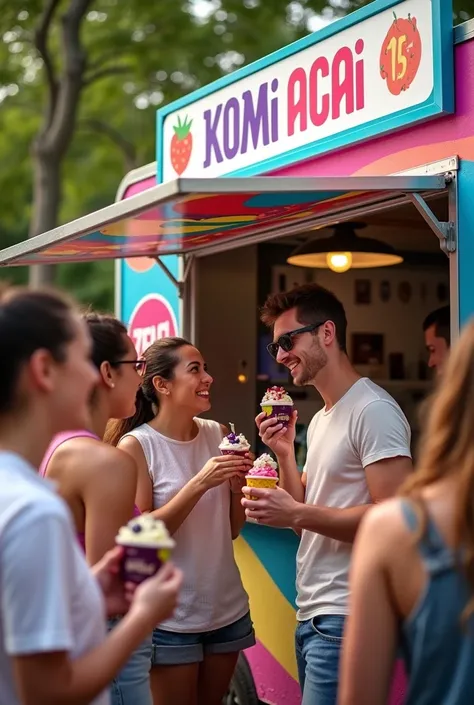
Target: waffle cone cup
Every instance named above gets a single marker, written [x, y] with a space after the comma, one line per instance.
[268, 483]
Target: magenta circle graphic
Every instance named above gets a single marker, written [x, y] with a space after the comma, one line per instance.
[152, 318]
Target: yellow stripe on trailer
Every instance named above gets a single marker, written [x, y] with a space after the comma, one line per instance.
[273, 616]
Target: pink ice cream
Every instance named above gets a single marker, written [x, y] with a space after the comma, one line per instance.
[264, 466]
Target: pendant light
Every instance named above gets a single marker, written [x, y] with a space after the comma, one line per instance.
[344, 250]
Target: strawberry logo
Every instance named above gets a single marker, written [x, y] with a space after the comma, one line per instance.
[400, 55]
[181, 145]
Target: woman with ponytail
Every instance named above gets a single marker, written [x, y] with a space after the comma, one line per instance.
[185, 481]
[413, 566]
[99, 482]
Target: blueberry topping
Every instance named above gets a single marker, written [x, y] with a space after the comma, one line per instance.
[136, 528]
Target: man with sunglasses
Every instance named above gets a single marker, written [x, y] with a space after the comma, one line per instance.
[358, 454]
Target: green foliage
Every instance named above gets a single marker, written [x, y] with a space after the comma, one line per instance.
[140, 55]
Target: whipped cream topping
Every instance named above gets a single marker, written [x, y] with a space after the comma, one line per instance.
[145, 530]
[276, 396]
[234, 442]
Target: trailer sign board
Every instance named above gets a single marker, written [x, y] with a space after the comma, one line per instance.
[377, 70]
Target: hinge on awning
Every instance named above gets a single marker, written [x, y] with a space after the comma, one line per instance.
[179, 284]
[444, 231]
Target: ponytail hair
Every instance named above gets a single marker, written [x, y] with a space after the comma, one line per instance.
[161, 360]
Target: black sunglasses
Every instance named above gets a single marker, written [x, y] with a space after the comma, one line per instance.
[285, 341]
[139, 365]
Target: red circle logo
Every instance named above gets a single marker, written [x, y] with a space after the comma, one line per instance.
[400, 55]
[151, 319]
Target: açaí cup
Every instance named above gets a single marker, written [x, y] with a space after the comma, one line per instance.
[263, 474]
[277, 403]
[234, 444]
[146, 546]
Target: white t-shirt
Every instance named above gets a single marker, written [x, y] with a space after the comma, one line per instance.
[49, 600]
[365, 426]
[212, 595]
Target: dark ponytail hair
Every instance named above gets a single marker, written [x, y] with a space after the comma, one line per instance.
[161, 360]
[30, 321]
[109, 338]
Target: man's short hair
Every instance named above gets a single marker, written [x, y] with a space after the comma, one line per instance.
[441, 320]
[313, 304]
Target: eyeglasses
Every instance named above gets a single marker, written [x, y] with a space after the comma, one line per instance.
[285, 341]
[139, 365]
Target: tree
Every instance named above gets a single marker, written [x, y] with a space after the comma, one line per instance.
[80, 81]
[65, 55]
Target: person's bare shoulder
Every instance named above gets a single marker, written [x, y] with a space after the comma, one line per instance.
[112, 460]
[71, 455]
[384, 529]
[132, 447]
[90, 461]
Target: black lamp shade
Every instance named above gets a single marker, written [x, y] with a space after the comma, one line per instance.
[364, 252]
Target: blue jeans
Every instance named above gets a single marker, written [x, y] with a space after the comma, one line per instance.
[132, 685]
[318, 647]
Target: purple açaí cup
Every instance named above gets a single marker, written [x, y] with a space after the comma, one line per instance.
[239, 450]
[277, 404]
[142, 562]
[146, 545]
[281, 412]
[241, 453]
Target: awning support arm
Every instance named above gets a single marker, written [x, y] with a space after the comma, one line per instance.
[178, 284]
[444, 231]
[187, 267]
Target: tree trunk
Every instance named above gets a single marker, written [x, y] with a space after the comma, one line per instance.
[56, 134]
[46, 201]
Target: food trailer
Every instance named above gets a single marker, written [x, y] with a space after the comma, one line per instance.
[368, 122]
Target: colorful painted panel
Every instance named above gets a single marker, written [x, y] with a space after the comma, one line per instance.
[197, 220]
[266, 558]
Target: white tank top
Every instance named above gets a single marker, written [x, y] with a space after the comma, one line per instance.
[212, 595]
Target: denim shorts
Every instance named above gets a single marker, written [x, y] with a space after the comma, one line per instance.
[176, 648]
[131, 686]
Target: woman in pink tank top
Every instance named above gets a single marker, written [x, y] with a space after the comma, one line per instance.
[55, 443]
[99, 481]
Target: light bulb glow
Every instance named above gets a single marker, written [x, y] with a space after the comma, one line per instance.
[339, 261]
